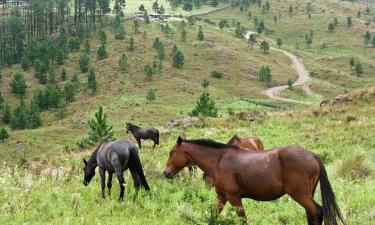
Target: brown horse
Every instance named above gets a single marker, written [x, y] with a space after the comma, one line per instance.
[252, 143]
[262, 176]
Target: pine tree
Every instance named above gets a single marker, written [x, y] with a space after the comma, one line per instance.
[61, 109]
[358, 69]
[63, 74]
[252, 40]
[331, 27]
[367, 38]
[52, 74]
[84, 63]
[205, 83]
[7, 113]
[132, 44]
[69, 91]
[87, 47]
[265, 74]
[151, 96]
[290, 84]
[205, 106]
[264, 46]
[136, 26]
[102, 52]
[19, 117]
[25, 62]
[100, 130]
[18, 85]
[352, 63]
[222, 24]
[91, 81]
[3, 134]
[200, 34]
[349, 21]
[41, 69]
[33, 118]
[148, 72]
[183, 35]
[178, 59]
[123, 63]
[279, 42]
[160, 67]
[102, 37]
[373, 41]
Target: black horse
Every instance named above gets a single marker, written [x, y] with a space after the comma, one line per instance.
[143, 133]
[115, 157]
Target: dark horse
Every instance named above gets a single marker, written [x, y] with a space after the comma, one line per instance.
[262, 176]
[143, 133]
[115, 157]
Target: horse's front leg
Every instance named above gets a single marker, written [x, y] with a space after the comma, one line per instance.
[121, 181]
[109, 182]
[221, 201]
[139, 143]
[102, 176]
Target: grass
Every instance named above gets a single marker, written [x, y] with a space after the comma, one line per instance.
[39, 196]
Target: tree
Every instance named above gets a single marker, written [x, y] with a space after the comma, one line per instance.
[131, 44]
[84, 63]
[61, 109]
[367, 38]
[142, 8]
[161, 10]
[358, 69]
[148, 72]
[373, 40]
[19, 117]
[178, 59]
[91, 81]
[309, 38]
[41, 69]
[335, 21]
[102, 37]
[63, 74]
[352, 63]
[100, 130]
[205, 106]
[3, 134]
[239, 30]
[279, 42]
[205, 83]
[69, 91]
[200, 34]
[252, 40]
[214, 3]
[222, 23]
[160, 67]
[136, 26]
[18, 85]
[290, 84]
[290, 10]
[349, 21]
[183, 35]
[151, 96]
[331, 27]
[155, 6]
[25, 62]
[264, 46]
[52, 74]
[7, 113]
[102, 52]
[265, 74]
[87, 47]
[33, 119]
[123, 63]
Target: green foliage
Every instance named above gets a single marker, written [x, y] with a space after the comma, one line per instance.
[52, 74]
[102, 37]
[331, 27]
[151, 96]
[123, 63]
[183, 35]
[141, 8]
[69, 91]
[6, 113]
[87, 47]
[136, 26]
[216, 74]
[41, 69]
[279, 42]
[177, 58]
[358, 69]
[19, 117]
[148, 72]
[349, 21]
[91, 81]
[252, 40]
[74, 43]
[264, 46]
[61, 109]
[200, 35]
[100, 129]
[131, 44]
[309, 38]
[102, 52]
[63, 74]
[265, 74]
[205, 83]
[18, 85]
[205, 106]
[290, 84]
[223, 23]
[367, 38]
[25, 62]
[3, 134]
[352, 63]
[84, 63]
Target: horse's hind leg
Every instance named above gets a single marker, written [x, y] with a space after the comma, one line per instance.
[137, 181]
[314, 212]
[139, 143]
[102, 176]
[121, 181]
[109, 183]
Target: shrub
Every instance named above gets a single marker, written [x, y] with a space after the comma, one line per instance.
[216, 74]
[355, 166]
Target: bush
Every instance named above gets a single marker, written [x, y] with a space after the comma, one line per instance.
[216, 74]
[355, 166]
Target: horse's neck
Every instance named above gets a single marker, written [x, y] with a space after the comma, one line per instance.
[133, 129]
[206, 158]
[93, 160]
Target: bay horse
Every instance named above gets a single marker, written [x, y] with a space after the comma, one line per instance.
[143, 133]
[262, 176]
[252, 143]
[115, 157]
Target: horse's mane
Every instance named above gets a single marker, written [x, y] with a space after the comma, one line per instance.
[93, 155]
[234, 138]
[209, 143]
[132, 125]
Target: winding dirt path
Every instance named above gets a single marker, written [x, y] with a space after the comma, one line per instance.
[302, 80]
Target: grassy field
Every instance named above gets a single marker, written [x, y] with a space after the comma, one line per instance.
[39, 196]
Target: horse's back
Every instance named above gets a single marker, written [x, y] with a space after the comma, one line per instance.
[116, 154]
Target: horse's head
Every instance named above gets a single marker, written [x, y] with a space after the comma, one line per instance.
[89, 172]
[177, 160]
[127, 127]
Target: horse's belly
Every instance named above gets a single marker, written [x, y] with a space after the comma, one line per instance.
[264, 196]
[264, 191]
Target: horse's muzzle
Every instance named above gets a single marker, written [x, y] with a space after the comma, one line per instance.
[85, 183]
[168, 175]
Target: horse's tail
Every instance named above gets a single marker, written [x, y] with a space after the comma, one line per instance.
[139, 169]
[330, 208]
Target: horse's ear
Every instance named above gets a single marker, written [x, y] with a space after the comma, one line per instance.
[179, 140]
[84, 161]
